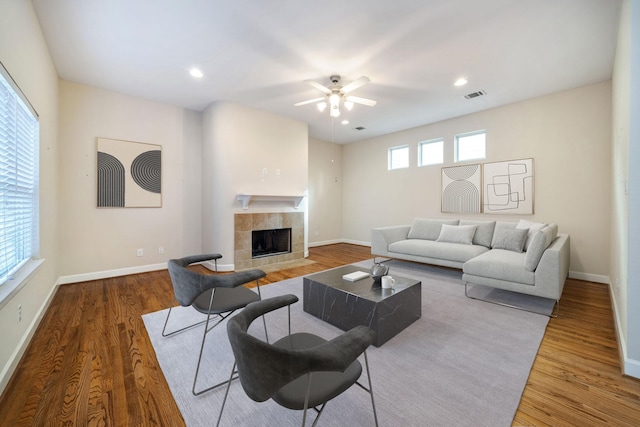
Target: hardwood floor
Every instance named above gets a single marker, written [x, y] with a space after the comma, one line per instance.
[91, 361]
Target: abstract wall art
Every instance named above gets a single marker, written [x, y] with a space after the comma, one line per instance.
[129, 174]
[461, 189]
[508, 187]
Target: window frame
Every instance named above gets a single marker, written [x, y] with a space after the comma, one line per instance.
[20, 271]
[390, 152]
[456, 147]
[428, 142]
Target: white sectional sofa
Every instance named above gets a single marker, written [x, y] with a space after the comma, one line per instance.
[525, 257]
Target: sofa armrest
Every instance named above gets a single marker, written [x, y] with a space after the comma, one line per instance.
[553, 269]
[382, 237]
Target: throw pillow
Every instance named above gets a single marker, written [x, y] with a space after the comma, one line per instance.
[532, 227]
[539, 244]
[457, 234]
[428, 229]
[484, 232]
[509, 239]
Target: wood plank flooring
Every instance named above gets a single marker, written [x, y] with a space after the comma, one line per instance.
[91, 362]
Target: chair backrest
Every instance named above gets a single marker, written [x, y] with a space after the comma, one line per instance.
[264, 368]
[187, 284]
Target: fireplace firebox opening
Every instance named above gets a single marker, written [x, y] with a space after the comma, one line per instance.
[270, 242]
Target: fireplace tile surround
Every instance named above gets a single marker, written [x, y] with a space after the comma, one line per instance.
[244, 224]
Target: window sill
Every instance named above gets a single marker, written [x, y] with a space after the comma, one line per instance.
[12, 286]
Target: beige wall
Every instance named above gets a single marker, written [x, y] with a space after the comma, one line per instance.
[625, 184]
[325, 192]
[568, 134]
[620, 173]
[24, 54]
[105, 240]
[239, 144]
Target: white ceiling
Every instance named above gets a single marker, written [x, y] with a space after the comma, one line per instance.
[258, 52]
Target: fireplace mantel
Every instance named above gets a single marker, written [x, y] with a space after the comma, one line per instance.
[245, 199]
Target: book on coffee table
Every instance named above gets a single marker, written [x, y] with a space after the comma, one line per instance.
[356, 275]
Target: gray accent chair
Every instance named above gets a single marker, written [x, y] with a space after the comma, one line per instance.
[300, 370]
[217, 296]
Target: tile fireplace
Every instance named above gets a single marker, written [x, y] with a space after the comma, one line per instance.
[244, 226]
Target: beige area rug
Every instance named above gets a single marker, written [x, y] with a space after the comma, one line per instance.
[286, 265]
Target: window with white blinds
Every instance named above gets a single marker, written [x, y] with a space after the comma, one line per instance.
[18, 178]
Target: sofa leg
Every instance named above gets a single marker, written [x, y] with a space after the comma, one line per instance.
[557, 309]
[554, 312]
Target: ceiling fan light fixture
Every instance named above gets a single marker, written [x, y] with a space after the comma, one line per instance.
[336, 94]
[334, 100]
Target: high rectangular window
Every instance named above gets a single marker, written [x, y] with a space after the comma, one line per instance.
[431, 152]
[470, 146]
[19, 136]
[399, 157]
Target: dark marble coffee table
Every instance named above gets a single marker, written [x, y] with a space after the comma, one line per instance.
[345, 304]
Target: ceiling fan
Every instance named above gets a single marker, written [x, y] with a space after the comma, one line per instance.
[336, 93]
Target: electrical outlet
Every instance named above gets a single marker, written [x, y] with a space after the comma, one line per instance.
[160, 250]
[139, 252]
[19, 313]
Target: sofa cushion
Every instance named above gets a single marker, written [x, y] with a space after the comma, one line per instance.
[500, 264]
[540, 242]
[438, 250]
[532, 227]
[457, 234]
[428, 229]
[484, 232]
[509, 239]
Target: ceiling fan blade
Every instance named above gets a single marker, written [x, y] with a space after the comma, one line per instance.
[311, 101]
[361, 81]
[318, 86]
[363, 101]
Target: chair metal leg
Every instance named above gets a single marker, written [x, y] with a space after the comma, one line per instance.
[226, 393]
[204, 337]
[370, 389]
[319, 411]
[306, 399]
[373, 403]
[207, 329]
[166, 322]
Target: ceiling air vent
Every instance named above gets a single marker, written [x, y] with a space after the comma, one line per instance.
[360, 128]
[475, 94]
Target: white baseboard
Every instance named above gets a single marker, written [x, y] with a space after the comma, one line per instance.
[17, 354]
[75, 278]
[630, 367]
[334, 241]
[324, 243]
[589, 277]
[356, 242]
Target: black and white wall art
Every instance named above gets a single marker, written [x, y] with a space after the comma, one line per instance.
[128, 174]
[461, 189]
[508, 187]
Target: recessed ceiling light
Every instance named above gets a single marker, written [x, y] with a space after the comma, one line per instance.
[195, 72]
[345, 122]
[461, 81]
